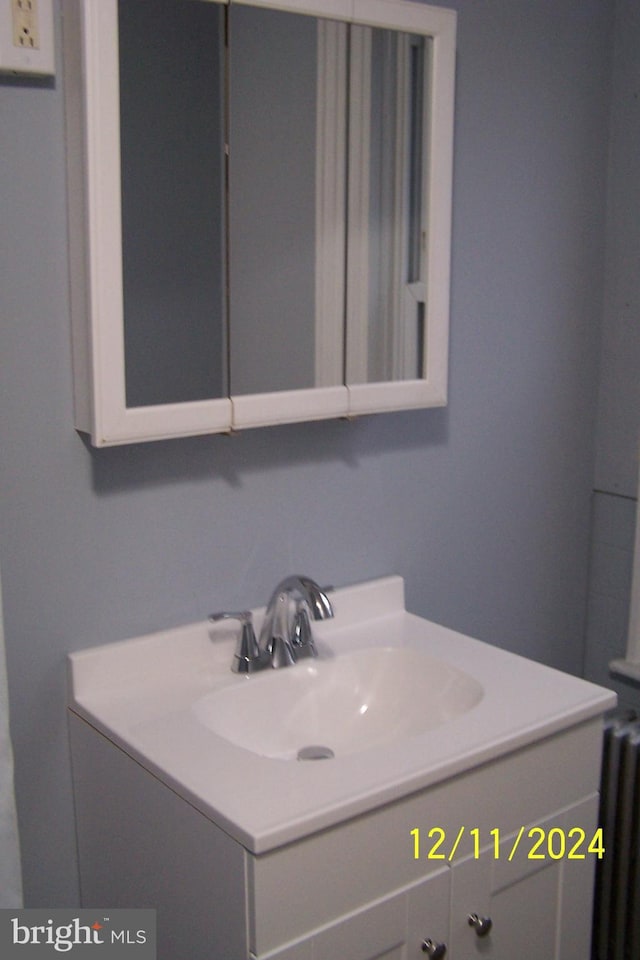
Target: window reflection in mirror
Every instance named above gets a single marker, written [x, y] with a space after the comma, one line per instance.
[386, 286]
[172, 167]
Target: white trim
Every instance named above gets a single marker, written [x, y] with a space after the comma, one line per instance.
[625, 668]
[330, 203]
[630, 665]
[438, 201]
[357, 303]
[335, 9]
[288, 406]
[393, 395]
[633, 650]
[400, 305]
[73, 74]
[405, 15]
[10, 867]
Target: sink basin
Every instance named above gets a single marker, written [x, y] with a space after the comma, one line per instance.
[400, 704]
[340, 705]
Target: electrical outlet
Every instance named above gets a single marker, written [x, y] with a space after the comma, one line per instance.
[24, 14]
[26, 37]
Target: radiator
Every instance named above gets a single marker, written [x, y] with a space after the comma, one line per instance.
[616, 928]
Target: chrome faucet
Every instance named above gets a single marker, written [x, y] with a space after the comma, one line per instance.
[286, 631]
[247, 657]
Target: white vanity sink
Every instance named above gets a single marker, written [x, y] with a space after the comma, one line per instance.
[340, 704]
[400, 702]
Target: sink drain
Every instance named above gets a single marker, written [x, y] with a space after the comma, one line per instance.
[315, 753]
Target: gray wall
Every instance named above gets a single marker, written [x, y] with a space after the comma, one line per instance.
[483, 506]
[618, 425]
[618, 435]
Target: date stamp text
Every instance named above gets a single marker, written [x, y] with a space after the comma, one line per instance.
[536, 843]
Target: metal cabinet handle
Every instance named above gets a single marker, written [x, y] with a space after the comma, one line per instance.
[482, 925]
[435, 950]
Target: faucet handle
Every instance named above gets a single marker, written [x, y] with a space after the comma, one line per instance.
[247, 656]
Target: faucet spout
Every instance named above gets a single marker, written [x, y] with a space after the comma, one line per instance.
[286, 632]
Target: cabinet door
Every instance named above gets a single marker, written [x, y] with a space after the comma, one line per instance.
[530, 901]
[391, 929]
[376, 932]
[428, 917]
[516, 913]
[148, 362]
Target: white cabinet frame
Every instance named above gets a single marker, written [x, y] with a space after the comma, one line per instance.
[629, 666]
[95, 228]
[94, 187]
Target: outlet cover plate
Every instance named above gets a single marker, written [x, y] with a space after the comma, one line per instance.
[26, 37]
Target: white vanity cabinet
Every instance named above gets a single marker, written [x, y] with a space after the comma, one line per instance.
[355, 890]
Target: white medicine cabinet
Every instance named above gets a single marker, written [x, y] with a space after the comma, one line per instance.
[259, 211]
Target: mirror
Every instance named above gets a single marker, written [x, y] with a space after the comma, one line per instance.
[267, 195]
[273, 169]
[172, 170]
[386, 284]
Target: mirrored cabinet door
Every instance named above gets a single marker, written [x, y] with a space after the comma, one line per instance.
[259, 206]
[137, 225]
[286, 357]
[402, 68]
[385, 267]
